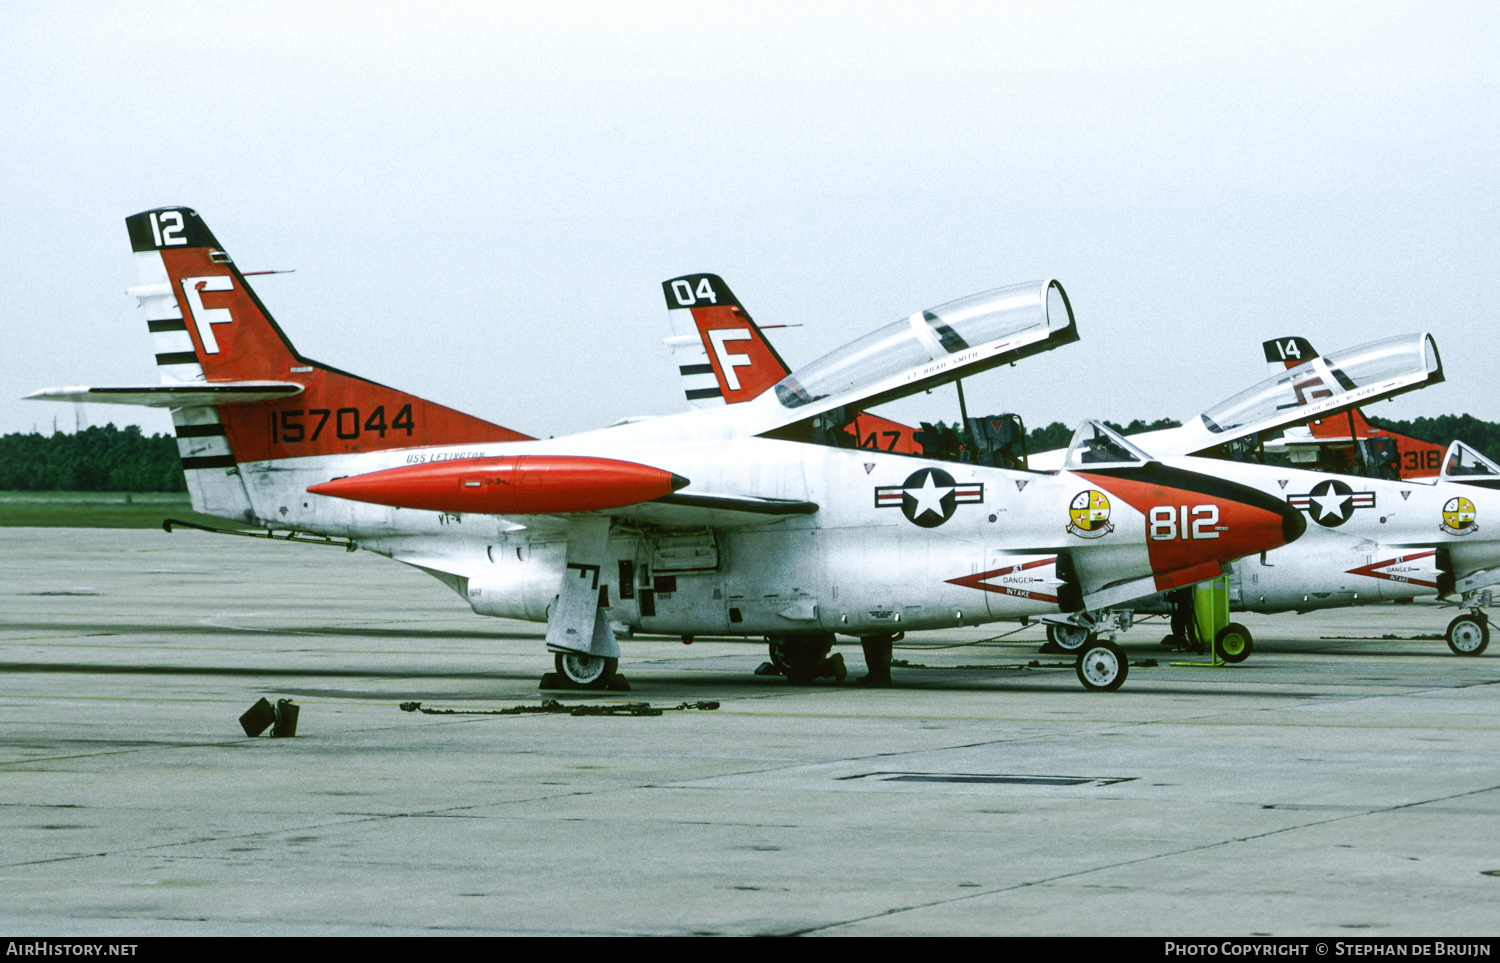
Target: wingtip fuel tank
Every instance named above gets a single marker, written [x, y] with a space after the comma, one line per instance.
[514, 485]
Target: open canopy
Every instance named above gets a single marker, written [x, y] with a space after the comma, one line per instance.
[1315, 389]
[929, 348]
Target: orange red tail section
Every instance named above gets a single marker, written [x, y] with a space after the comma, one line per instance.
[725, 358]
[209, 326]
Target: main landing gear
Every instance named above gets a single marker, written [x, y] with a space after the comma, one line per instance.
[586, 671]
[1066, 637]
[804, 659]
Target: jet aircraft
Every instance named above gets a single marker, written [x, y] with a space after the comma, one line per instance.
[758, 519]
[1396, 518]
[1270, 422]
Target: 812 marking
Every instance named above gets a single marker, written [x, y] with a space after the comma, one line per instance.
[287, 426]
[1165, 524]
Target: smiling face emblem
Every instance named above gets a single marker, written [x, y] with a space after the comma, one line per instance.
[1088, 515]
[1459, 516]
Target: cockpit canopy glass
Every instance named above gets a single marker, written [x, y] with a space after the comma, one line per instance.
[1034, 308]
[1095, 446]
[1463, 463]
[1407, 357]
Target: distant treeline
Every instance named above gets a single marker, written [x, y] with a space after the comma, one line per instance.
[124, 460]
[1445, 429]
[1057, 434]
[107, 459]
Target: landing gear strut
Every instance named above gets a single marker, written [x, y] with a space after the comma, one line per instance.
[877, 650]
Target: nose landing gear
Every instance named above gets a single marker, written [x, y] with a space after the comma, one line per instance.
[1102, 666]
[1469, 634]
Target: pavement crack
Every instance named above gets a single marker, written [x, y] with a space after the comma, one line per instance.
[1027, 884]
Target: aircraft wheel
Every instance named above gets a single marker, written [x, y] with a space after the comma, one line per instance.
[1469, 635]
[1171, 641]
[586, 670]
[1069, 638]
[1102, 666]
[1234, 642]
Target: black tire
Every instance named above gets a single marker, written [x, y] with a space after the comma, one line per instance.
[1069, 638]
[1102, 666]
[1171, 641]
[802, 657]
[1234, 642]
[1469, 634]
[778, 654]
[589, 671]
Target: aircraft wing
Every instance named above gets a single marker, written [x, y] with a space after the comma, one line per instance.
[693, 511]
[542, 491]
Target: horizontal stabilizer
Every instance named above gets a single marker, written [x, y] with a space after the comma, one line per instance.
[174, 396]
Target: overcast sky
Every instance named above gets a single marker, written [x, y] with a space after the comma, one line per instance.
[480, 202]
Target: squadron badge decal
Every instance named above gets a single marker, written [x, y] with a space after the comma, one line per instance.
[1458, 516]
[1089, 514]
[928, 497]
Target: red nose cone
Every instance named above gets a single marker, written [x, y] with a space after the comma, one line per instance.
[515, 485]
[1195, 522]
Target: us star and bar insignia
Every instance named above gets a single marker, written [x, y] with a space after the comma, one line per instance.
[1331, 503]
[929, 496]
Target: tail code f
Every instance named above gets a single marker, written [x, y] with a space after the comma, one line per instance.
[209, 326]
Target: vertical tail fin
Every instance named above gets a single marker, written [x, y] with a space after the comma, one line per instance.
[209, 326]
[1283, 353]
[723, 356]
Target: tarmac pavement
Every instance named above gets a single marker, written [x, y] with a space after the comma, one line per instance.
[1338, 783]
